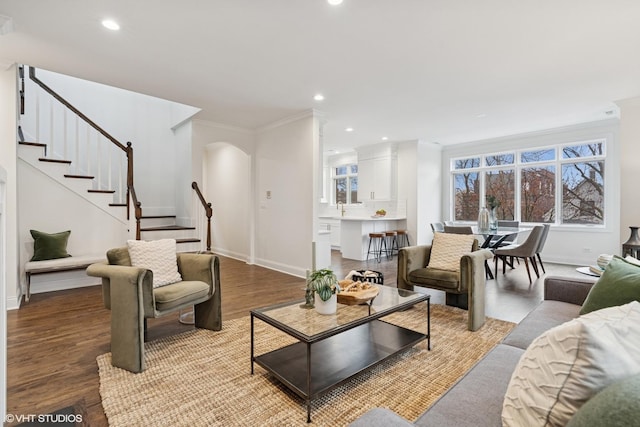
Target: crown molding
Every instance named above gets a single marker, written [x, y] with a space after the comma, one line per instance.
[290, 119]
[216, 125]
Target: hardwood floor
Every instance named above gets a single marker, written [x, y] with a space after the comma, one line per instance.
[53, 340]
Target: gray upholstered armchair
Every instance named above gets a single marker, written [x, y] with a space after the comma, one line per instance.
[464, 289]
[129, 293]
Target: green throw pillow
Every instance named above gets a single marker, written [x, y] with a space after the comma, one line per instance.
[615, 406]
[49, 246]
[618, 285]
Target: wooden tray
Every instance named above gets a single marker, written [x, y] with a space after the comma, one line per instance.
[360, 297]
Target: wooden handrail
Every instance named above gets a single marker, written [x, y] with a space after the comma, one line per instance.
[32, 76]
[208, 212]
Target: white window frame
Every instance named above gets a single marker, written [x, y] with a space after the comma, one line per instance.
[518, 165]
[349, 176]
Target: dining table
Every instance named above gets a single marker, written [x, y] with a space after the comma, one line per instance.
[493, 238]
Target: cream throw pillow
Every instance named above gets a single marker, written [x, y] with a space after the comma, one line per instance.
[159, 256]
[448, 248]
[567, 365]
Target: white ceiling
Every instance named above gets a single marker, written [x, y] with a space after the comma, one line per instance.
[444, 71]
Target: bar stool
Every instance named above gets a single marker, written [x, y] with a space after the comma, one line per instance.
[378, 240]
[403, 238]
[391, 238]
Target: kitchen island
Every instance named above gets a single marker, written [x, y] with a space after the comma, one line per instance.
[354, 233]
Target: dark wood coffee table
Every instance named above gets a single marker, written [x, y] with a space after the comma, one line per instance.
[317, 363]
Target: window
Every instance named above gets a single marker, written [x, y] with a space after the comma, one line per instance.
[524, 183]
[345, 184]
[466, 195]
[583, 183]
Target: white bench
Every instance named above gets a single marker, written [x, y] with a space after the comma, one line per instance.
[57, 265]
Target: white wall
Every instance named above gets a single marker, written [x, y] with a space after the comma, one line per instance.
[184, 195]
[565, 244]
[3, 304]
[287, 158]
[629, 170]
[93, 231]
[146, 121]
[228, 184]
[8, 155]
[205, 134]
[420, 183]
[8, 218]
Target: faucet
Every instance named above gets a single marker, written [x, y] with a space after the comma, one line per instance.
[341, 211]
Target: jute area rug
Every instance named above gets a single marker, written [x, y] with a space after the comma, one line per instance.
[202, 378]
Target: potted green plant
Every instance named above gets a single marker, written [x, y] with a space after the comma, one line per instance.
[324, 285]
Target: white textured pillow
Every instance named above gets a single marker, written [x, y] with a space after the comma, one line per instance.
[448, 248]
[158, 256]
[567, 365]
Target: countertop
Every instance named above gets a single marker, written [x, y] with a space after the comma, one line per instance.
[365, 218]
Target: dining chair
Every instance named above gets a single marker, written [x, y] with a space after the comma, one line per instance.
[526, 250]
[437, 226]
[543, 240]
[458, 229]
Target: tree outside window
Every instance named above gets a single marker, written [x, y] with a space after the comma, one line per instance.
[466, 196]
[501, 185]
[538, 194]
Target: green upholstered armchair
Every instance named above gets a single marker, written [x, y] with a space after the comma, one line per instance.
[129, 293]
[464, 289]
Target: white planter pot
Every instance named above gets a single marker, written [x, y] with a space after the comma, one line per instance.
[326, 307]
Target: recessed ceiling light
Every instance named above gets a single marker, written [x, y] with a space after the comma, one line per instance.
[384, 138]
[110, 24]
[334, 2]
[318, 97]
[349, 129]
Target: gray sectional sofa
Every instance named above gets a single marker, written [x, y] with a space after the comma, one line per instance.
[476, 399]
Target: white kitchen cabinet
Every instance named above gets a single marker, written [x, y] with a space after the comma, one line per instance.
[333, 226]
[377, 175]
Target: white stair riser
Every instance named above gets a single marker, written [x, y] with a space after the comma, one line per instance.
[167, 234]
[191, 247]
[157, 222]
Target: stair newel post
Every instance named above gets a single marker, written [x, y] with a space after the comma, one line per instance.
[138, 217]
[129, 174]
[209, 214]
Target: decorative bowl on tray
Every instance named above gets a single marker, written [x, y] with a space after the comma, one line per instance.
[355, 293]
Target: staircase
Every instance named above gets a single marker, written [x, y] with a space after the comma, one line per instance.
[165, 227]
[101, 169]
[34, 154]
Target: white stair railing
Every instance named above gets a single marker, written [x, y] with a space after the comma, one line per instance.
[70, 135]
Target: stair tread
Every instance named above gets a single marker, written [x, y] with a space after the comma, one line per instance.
[118, 204]
[78, 176]
[102, 191]
[167, 227]
[34, 144]
[156, 216]
[193, 240]
[46, 159]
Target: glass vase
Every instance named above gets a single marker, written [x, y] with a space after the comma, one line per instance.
[483, 219]
[493, 219]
